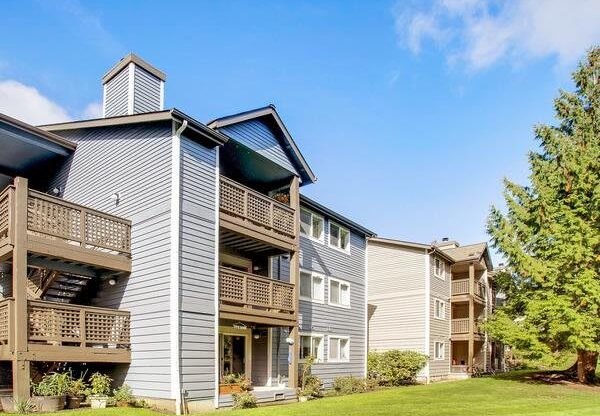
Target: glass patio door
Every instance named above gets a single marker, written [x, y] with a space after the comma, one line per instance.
[233, 354]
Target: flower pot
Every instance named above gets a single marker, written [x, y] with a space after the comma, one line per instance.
[74, 402]
[98, 402]
[303, 399]
[45, 404]
[8, 404]
[229, 388]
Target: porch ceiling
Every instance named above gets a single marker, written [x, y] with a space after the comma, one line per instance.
[246, 244]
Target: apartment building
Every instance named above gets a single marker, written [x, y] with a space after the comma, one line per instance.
[169, 252]
[429, 298]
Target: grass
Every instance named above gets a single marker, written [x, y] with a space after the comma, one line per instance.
[502, 395]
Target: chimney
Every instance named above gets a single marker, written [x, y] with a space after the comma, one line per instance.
[445, 239]
[132, 86]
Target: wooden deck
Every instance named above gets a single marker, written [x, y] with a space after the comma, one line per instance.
[248, 212]
[461, 293]
[460, 330]
[68, 333]
[252, 298]
[61, 230]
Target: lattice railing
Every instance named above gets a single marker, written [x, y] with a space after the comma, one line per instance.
[4, 216]
[460, 287]
[74, 223]
[76, 325]
[460, 326]
[5, 313]
[244, 203]
[246, 289]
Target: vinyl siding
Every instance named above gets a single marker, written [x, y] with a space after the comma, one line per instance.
[439, 328]
[136, 162]
[331, 320]
[397, 290]
[146, 91]
[256, 135]
[116, 94]
[197, 291]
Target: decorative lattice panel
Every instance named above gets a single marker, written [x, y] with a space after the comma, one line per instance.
[259, 292]
[54, 219]
[107, 328]
[259, 210]
[4, 321]
[283, 220]
[54, 323]
[231, 286]
[4, 201]
[107, 232]
[283, 297]
[232, 198]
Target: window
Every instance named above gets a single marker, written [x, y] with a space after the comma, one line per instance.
[339, 237]
[311, 344]
[311, 287]
[439, 309]
[339, 349]
[339, 292]
[311, 225]
[439, 350]
[439, 268]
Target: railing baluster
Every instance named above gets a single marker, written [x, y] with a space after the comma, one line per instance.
[82, 329]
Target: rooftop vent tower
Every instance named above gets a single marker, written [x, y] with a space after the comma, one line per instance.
[133, 86]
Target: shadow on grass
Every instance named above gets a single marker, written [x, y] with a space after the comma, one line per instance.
[555, 377]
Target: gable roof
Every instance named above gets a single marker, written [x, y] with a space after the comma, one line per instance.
[471, 252]
[289, 146]
[200, 130]
[410, 244]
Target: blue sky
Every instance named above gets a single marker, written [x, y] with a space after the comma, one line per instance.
[410, 113]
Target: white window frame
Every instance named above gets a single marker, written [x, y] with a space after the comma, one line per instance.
[341, 227]
[321, 239]
[340, 282]
[338, 338]
[442, 308]
[320, 358]
[442, 350]
[312, 278]
[441, 275]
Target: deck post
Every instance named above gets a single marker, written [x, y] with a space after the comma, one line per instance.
[471, 349]
[294, 349]
[21, 369]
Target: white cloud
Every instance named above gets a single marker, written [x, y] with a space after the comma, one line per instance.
[26, 103]
[480, 32]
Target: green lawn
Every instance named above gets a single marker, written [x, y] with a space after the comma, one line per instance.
[483, 396]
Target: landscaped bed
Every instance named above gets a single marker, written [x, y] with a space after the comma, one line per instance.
[510, 394]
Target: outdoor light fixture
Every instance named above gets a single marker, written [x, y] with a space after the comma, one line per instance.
[116, 197]
[112, 282]
[256, 336]
[289, 340]
[57, 191]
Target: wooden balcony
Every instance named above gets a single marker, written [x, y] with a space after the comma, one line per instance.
[460, 329]
[62, 230]
[68, 333]
[245, 211]
[251, 298]
[460, 291]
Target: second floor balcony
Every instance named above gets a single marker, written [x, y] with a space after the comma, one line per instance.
[460, 326]
[248, 212]
[460, 288]
[61, 230]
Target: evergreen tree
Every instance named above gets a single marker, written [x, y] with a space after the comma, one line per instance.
[550, 234]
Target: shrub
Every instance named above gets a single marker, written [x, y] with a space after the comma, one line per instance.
[77, 388]
[349, 385]
[310, 385]
[24, 407]
[395, 367]
[123, 396]
[244, 400]
[53, 384]
[100, 384]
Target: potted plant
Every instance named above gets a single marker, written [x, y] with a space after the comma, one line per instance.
[49, 393]
[234, 383]
[76, 393]
[99, 390]
[282, 197]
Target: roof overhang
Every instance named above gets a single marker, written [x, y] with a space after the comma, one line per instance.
[315, 206]
[430, 248]
[306, 173]
[25, 147]
[133, 58]
[194, 129]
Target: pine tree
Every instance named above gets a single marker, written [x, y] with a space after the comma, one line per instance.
[550, 234]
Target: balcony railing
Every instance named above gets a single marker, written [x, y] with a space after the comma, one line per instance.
[461, 287]
[248, 205]
[58, 324]
[461, 326]
[252, 291]
[52, 221]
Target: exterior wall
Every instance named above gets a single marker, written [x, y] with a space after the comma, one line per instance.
[331, 320]
[280, 270]
[439, 328]
[197, 269]
[256, 135]
[397, 290]
[134, 161]
[146, 91]
[116, 92]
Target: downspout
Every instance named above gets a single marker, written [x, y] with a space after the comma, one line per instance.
[176, 390]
